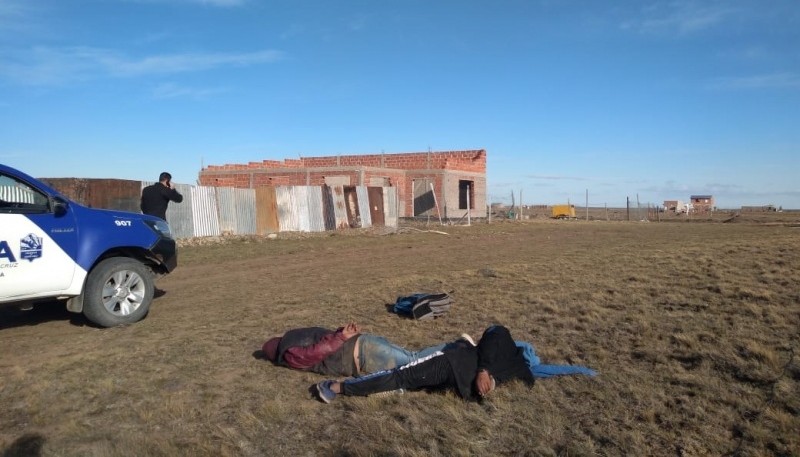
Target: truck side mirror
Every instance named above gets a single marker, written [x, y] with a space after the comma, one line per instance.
[60, 206]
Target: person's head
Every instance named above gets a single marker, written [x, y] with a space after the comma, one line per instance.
[164, 177]
[270, 349]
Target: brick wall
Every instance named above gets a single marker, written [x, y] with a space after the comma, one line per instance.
[470, 160]
[444, 168]
[452, 195]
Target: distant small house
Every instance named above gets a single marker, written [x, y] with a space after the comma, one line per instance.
[674, 205]
[702, 203]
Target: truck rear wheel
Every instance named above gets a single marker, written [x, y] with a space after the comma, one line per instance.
[118, 291]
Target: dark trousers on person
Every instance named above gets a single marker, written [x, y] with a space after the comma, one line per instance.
[430, 372]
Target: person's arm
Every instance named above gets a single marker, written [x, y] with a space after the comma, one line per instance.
[305, 357]
[173, 194]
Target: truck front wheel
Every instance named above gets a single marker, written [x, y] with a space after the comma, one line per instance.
[118, 291]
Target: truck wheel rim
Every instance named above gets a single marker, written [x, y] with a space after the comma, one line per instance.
[123, 292]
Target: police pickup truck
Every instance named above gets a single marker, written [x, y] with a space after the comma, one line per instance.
[103, 263]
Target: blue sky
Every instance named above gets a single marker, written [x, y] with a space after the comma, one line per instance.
[655, 99]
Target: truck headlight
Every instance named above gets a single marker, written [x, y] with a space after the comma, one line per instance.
[160, 227]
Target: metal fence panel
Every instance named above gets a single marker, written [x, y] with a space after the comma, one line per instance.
[376, 204]
[287, 209]
[204, 211]
[266, 210]
[301, 200]
[226, 205]
[316, 211]
[245, 211]
[328, 215]
[390, 206]
[363, 206]
[424, 199]
[339, 207]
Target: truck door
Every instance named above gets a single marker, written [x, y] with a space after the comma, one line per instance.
[37, 244]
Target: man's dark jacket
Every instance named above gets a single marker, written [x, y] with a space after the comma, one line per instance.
[496, 353]
[156, 198]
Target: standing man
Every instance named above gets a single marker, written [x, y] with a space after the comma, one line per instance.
[156, 197]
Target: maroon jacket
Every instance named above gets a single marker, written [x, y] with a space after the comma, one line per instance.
[317, 349]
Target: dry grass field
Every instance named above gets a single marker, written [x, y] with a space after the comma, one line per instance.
[693, 327]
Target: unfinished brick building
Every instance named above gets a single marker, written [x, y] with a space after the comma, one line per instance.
[702, 203]
[453, 181]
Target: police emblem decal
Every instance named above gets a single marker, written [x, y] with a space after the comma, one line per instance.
[30, 247]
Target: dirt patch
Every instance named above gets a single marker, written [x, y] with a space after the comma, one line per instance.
[693, 328]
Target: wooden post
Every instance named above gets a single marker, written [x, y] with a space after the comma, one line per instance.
[638, 208]
[469, 221]
[628, 208]
[436, 202]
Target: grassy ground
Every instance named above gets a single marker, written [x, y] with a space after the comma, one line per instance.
[694, 329]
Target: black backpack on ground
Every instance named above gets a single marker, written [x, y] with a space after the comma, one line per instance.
[423, 306]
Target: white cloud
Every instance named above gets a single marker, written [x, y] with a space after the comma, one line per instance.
[556, 178]
[10, 9]
[220, 3]
[172, 90]
[15, 17]
[47, 66]
[178, 63]
[153, 37]
[768, 81]
[357, 23]
[681, 17]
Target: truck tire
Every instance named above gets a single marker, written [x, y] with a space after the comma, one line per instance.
[118, 291]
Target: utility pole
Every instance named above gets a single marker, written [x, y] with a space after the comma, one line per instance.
[628, 208]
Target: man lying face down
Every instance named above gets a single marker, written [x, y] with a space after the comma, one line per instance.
[344, 352]
[473, 372]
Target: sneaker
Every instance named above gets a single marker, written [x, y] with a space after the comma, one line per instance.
[324, 391]
[468, 339]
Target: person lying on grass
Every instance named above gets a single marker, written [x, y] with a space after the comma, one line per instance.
[343, 352]
[473, 372]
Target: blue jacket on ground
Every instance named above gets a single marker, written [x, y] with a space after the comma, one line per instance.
[546, 371]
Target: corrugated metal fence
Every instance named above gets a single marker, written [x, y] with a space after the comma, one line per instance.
[215, 211]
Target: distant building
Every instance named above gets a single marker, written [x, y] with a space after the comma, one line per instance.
[702, 203]
[674, 205]
[759, 209]
[450, 183]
